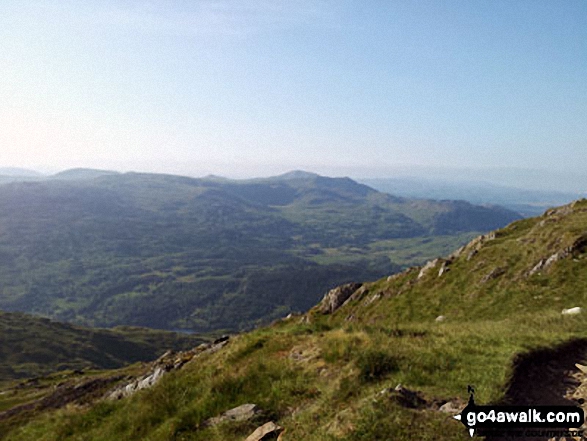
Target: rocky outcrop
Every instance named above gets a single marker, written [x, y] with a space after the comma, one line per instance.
[493, 274]
[268, 431]
[536, 268]
[577, 247]
[429, 266]
[336, 297]
[457, 253]
[167, 362]
[444, 268]
[432, 264]
[554, 215]
[473, 247]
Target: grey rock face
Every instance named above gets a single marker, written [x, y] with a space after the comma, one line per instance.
[166, 363]
[336, 297]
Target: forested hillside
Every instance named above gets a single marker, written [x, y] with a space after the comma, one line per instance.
[102, 248]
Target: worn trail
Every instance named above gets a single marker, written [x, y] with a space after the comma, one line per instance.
[548, 377]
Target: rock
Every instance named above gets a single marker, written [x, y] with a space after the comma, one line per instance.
[572, 311]
[165, 356]
[372, 299]
[408, 398]
[478, 242]
[444, 268]
[471, 254]
[268, 431]
[336, 297]
[559, 211]
[576, 248]
[440, 318]
[357, 295]
[536, 267]
[451, 407]
[456, 253]
[495, 273]
[167, 362]
[221, 339]
[305, 319]
[150, 380]
[214, 347]
[240, 413]
[429, 265]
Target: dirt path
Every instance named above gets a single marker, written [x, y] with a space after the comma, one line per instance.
[548, 377]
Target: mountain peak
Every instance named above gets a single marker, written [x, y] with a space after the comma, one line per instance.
[83, 173]
[297, 174]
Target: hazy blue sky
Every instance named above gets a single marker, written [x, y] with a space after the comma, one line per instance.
[257, 87]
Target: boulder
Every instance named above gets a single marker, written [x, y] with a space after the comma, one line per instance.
[268, 431]
[240, 413]
[453, 407]
[335, 298]
[572, 311]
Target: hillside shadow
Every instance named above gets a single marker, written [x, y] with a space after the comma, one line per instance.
[544, 377]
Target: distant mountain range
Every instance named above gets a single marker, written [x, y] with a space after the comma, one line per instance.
[104, 248]
[524, 201]
[21, 172]
[528, 201]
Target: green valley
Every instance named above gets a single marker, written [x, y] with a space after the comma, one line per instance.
[104, 249]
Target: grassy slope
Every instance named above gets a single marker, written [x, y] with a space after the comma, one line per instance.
[32, 346]
[320, 376]
[174, 252]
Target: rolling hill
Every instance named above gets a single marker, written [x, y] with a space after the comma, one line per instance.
[104, 249]
[32, 346]
[386, 360]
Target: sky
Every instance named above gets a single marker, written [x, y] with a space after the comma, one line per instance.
[260, 87]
